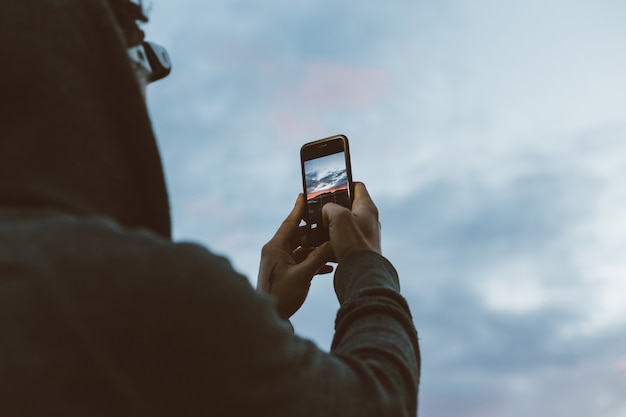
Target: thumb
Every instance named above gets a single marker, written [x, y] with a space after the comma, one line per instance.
[316, 259]
[329, 211]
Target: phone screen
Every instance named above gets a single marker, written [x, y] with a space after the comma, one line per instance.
[327, 179]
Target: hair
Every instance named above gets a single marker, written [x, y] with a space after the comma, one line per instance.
[129, 16]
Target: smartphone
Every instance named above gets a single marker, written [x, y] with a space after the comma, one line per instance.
[326, 177]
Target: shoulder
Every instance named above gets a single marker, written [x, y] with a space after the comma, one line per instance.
[111, 274]
[69, 248]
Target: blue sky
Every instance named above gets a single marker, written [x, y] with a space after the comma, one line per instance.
[492, 136]
[326, 173]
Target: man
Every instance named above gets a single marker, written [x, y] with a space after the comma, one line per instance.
[102, 314]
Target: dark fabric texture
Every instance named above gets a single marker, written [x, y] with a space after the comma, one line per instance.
[75, 131]
[101, 314]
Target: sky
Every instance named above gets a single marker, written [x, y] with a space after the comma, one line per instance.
[490, 133]
[325, 173]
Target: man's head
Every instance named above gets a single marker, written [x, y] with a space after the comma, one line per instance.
[129, 16]
[150, 61]
[81, 140]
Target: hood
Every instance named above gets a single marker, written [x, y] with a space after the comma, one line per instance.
[75, 135]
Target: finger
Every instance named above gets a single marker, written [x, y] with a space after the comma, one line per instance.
[300, 254]
[363, 203]
[326, 269]
[298, 238]
[291, 224]
[316, 260]
[331, 211]
[303, 241]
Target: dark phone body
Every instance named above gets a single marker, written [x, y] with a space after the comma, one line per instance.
[326, 177]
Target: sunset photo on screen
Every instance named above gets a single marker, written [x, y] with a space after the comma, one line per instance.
[326, 175]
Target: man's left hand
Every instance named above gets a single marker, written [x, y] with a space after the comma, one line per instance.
[287, 267]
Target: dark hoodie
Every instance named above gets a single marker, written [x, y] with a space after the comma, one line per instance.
[100, 312]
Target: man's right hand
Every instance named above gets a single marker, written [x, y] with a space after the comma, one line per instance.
[358, 229]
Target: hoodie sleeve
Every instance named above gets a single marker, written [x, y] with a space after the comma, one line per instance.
[192, 337]
[374, 332]
[253, 364]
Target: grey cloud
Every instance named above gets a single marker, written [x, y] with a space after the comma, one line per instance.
[233, 66]
[319, 181]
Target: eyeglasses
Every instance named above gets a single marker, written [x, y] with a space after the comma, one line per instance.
[152, 58]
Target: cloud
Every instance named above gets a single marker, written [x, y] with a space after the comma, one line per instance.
[489, 134]
[320, 181]
[493, 271]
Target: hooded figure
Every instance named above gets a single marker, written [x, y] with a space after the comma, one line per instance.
[100, 312]
[76, 137]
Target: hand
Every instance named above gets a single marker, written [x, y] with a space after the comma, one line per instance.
[287, 268]
[353, 230]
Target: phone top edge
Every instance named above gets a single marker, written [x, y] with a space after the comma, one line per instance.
[325, 146]
[318, 142]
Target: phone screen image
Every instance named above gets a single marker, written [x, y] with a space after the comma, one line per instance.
[326, 181]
